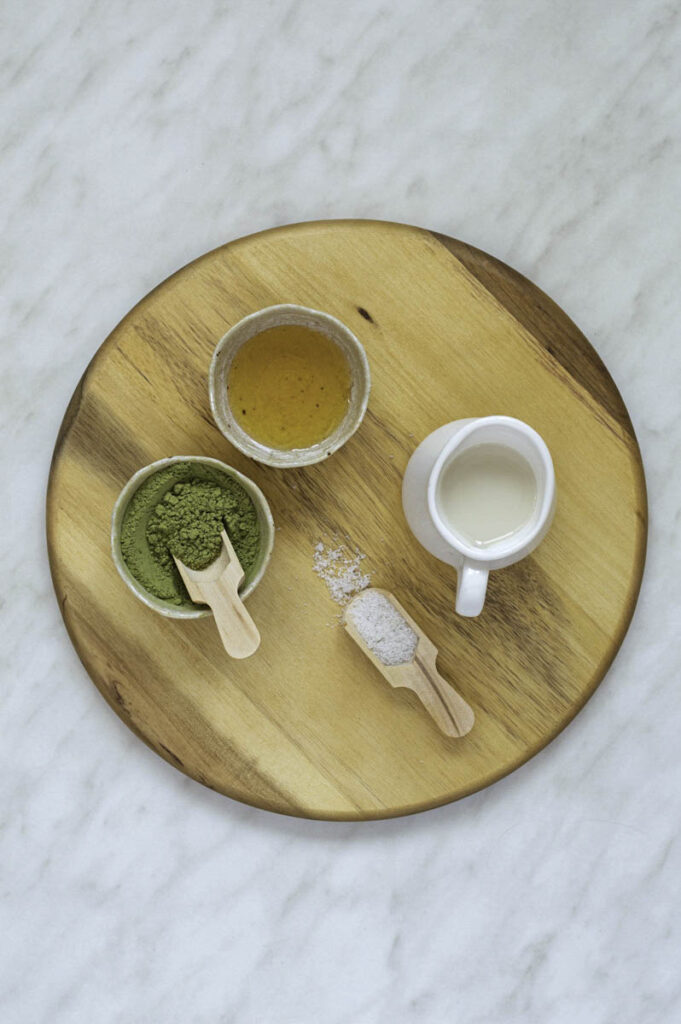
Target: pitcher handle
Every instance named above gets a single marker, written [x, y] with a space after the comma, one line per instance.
[471, 587]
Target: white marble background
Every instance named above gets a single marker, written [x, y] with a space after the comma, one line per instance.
[136, 136]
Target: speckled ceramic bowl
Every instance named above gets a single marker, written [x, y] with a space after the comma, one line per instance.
[275, 316]
[253, 577]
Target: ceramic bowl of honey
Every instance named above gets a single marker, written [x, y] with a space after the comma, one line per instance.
[289, 385]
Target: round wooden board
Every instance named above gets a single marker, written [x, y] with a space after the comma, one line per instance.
[307, 726]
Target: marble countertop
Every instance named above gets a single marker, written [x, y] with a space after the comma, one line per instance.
[137, 136]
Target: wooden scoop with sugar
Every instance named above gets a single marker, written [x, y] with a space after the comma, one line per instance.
[405, 656]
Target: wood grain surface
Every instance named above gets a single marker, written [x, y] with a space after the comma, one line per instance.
[307, 726]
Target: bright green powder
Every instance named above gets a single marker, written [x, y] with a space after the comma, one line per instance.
[181, 511]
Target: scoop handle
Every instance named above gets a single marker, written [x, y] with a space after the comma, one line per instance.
[450, 712]
[238, 631]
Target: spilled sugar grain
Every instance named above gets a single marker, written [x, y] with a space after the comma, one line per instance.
[341, 570]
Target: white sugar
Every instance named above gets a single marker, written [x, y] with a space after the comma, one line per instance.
[341, 570]
[382, 628]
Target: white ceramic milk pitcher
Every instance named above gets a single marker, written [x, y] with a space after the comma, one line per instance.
[423, 509]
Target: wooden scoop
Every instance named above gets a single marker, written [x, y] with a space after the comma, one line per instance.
[450, 711]
[218, 586]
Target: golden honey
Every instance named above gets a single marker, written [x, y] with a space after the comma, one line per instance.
[289, 387]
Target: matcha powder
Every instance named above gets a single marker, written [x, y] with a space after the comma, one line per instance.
[181, 511]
